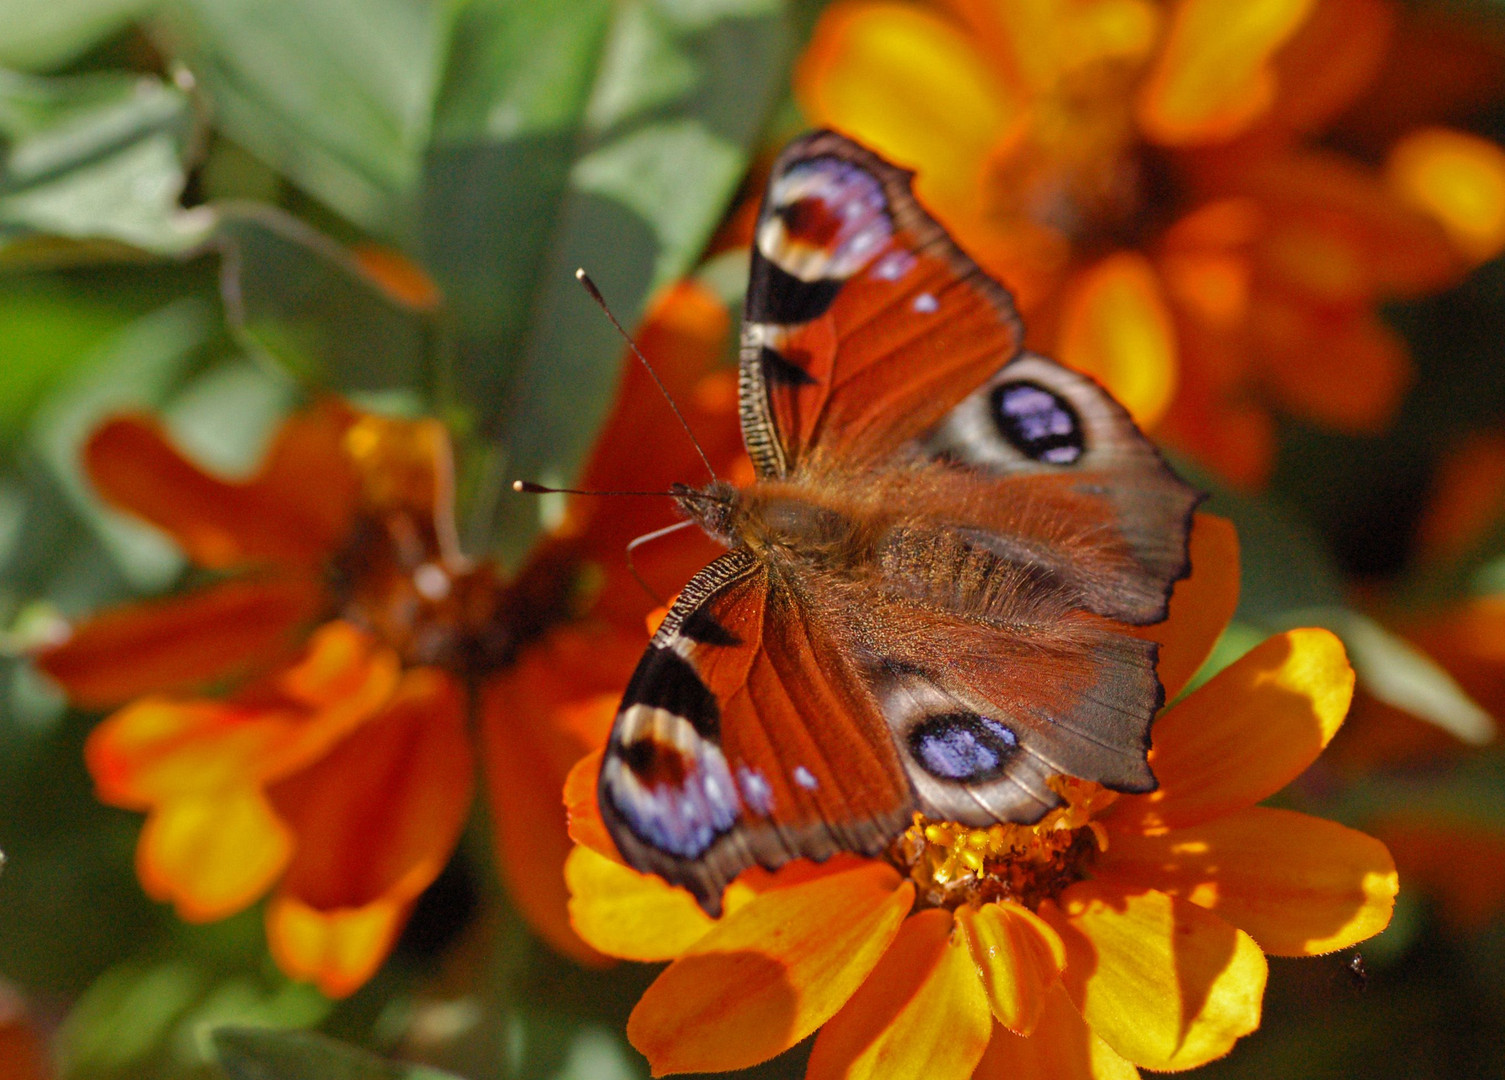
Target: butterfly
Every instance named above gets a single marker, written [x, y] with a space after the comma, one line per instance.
[927, 598]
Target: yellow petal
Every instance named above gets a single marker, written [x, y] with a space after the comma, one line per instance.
[627, 914]
[212, 855]
[1298, 885]
[1213, 78]
[336, 950]
[922, 1012]
[1063, 1047]
[1019, 958]
[1165, 983]
[770, 972]
[1117, 328]
[1245, 735]
[1458, 179]
[912, 86]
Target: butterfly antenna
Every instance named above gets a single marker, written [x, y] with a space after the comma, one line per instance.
[595, 294]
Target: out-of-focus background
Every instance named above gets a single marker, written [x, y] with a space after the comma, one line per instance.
[1273, 229]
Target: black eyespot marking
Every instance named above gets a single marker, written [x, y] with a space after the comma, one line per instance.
[1038, 423]
[665, 680]
[963, 747]
[701, 626]
[779, 370]
[654, 763]
[776, 296]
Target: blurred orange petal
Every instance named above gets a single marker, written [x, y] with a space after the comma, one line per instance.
[378, 816]
[769, 973]
[337, 950]
[1245, 735]
[539, 717]
[156, 749]
[1467, 497]
[212, 855]
[1201, 604]
[1298, 885]
[1063, 1047]
[914, 87]
[1018, 957]
[1459, 864]
[1345, 370]
[627, 914]
[398, 276]
[1214, 75]
[1330, 61]
[1116, 328]
[177, 644]
[1458, 179]
[1165, 983]
[294, 510]
[921, 1012]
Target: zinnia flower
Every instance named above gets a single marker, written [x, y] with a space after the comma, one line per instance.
[1120, 931]
[1148, 179]
[299, 723]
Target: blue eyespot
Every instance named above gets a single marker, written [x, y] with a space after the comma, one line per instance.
[1038, 423]
[963, 747]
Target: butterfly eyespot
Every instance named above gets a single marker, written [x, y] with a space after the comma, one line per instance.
[655, 764]
[963, 747]
[1037, 422]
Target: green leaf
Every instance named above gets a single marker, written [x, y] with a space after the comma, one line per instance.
[40, 34]
[301, 299]
[254, 1054]
[94, 165]
[1401, 675]
[580, 134]
[337, 95]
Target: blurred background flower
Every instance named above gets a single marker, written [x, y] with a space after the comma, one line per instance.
[235, 236]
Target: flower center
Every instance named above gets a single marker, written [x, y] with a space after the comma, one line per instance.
[953, 864]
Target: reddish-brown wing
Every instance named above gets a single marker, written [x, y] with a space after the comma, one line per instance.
[747, 736]
[865, 324]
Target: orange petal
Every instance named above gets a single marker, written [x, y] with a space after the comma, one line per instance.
[1330, 61]
[178, 644]
[581, 809]
[627, 914]
[377, 817]
[1467, 497]
[155, 750]
[914, 87]
[1116, 327]
[1346, 371]
[1246, 734]
[294, 510]
[1019, 958]
[1214, 77]
[1063, 1047]
[922, 1012]
[1298, 885]
[211, 856]
[770, 972]
[336, 950]
[1165, 983]
[1459, 863]
[539, 717]
[1201, 604]
[398, 276]
[1459, 180]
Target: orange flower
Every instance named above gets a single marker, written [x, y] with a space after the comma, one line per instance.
[350, 633]
[1147, 177]
[1120, 931]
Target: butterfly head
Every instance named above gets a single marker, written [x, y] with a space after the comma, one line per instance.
[714, 507]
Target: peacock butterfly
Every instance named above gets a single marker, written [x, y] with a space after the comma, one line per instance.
[926, 598]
